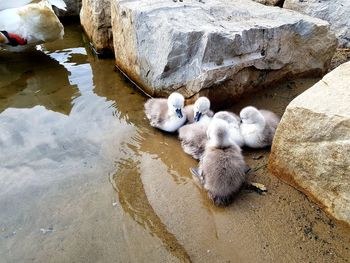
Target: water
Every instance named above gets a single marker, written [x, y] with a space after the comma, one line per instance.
[83, 178]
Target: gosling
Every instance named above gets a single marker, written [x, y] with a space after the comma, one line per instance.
[234, 125]
[166, 114]
[199, 111]
[193, 135]
[222, 169]
[258, 127]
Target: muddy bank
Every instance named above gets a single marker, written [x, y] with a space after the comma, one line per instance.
[84, 178]
[341, 56]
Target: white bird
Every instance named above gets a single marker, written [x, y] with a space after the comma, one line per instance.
[166, 114]
[258, 127]
[35, 23]
[198, 111]
[234, 125]
[7, 4]
[222, 169]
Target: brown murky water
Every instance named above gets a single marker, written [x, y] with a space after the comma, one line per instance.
[83, 178]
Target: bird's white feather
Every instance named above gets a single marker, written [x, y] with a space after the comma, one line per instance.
[60, 4]
[7, 4]
[36, 23]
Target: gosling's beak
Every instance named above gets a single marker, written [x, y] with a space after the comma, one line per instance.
[179, 113]
[197, 116]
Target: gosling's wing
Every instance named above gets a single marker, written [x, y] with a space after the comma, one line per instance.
[156, 111]
[163, 110]
[272, 120]
[227, 116]
[193, 139]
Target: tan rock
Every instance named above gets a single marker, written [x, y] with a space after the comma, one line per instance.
[311, 148]
[95, 17]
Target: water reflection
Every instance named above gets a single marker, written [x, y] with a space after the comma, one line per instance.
[133, 199]
[34, 78]
[52, 125]
[67, 117]
[127, 179]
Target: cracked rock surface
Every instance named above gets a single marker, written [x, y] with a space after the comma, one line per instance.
[336, 12]
[225, 47]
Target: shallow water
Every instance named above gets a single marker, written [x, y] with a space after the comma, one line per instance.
[83, 178]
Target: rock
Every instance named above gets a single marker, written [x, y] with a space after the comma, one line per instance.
[229, 46]
[73, 9]
[95, 17]
[311, 148]
[271, 2]
[336, 12]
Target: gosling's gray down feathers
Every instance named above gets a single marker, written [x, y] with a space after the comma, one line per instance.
[193, 138]
[222, 167]
[234, 125]
[156, 111]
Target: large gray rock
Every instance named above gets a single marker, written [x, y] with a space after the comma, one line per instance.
[95, 17]
[311, 148]
[73, 9]
[234, 45]
[336, 12]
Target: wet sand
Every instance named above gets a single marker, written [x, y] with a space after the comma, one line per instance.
[84, 178]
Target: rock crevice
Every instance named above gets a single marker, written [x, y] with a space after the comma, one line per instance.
[95, 17]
